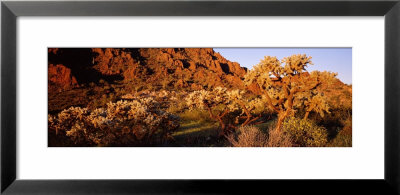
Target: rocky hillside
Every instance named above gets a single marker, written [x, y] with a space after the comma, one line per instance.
[94, 76]
[178, 68]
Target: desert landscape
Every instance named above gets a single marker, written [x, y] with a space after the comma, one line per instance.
[193, 97]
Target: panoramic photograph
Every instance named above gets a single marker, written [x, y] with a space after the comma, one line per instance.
[200, 97]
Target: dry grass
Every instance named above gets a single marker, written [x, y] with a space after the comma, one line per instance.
[278, 139]
[250, 136]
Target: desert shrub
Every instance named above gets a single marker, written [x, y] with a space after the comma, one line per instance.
[339, 119]
[278, 139]
[341, 140]
[136, 122]
[344, 136]
[347, 126]
[251, 136]
[248, 136]
[305, 132]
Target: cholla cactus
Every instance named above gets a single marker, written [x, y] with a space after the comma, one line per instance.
[250, 110]
[121, 123]
[287, 85]
[210, 100]
[220, 102]
[165, 99]
[316, 103]
[198, 99]
[216, 97]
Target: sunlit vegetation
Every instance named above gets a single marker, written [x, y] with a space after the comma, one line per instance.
[136, 122]
[278, 103]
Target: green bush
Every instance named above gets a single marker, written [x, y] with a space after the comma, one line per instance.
[305, 132]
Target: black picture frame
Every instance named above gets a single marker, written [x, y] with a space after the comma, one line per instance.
[10, 10]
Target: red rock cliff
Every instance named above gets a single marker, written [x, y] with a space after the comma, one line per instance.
[179, 67]
[189, 68]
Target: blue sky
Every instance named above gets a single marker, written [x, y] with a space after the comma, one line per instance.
[337, 60]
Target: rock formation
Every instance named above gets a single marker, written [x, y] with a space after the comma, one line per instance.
[60, 77]
[184, 68]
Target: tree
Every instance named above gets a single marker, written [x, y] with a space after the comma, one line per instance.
[287, 85]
